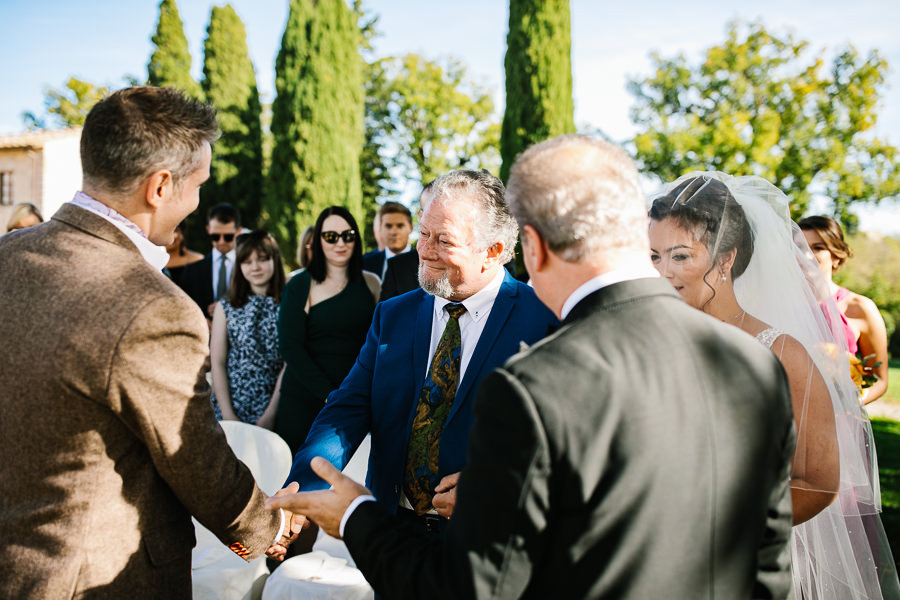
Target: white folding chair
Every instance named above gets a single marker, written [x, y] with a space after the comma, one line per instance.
[327, 573]
[218, 573]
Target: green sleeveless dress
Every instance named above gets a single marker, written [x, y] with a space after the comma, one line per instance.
[318, 348]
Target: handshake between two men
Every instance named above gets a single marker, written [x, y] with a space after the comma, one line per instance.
[327, 508]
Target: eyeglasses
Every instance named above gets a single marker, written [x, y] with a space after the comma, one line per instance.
[349, 236]
[215, 236]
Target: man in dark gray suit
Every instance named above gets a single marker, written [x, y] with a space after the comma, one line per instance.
[641, 451]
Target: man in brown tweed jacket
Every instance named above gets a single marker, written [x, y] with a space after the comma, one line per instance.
[109, 442]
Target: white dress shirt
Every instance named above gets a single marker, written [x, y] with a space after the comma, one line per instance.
[229, 268]
[153, 254]
[471, 323]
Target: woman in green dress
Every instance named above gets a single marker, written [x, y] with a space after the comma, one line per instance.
[323, 318]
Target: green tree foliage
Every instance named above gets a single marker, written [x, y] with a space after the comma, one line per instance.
[874, 272]
[317, 119]
[372, 166]
[170, 63]
[538, 76]
[229, 84]
[67, 106]
[758, 105]
[428, 118]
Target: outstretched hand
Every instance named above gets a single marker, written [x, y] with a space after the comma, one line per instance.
[294, 524]
[325, 507]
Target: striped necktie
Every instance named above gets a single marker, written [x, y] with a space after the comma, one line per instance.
[421, 473]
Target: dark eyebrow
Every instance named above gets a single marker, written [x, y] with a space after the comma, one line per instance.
[667, 250]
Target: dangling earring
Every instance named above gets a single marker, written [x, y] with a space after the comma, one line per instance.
[724, 277]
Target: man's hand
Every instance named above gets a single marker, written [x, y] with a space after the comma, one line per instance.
[325, 507]
[445, 498]
[293, 525]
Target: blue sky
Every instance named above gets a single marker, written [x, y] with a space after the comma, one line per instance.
[43, 42]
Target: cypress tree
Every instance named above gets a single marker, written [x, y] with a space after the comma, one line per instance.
[170, 63]
[229, 84]
[538, 76]
[317, 119]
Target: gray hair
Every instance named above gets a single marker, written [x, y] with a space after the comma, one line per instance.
[492, 220]
[581, 195]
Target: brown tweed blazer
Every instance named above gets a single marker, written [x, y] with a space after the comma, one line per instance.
[108, 443]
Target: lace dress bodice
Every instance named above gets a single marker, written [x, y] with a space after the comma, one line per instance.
[767, 337]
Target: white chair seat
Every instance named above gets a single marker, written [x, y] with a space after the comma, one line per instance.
[329, 571]
[317, 576]
[218, 573]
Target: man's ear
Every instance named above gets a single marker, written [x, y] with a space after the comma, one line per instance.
[159, 188]
[492, 255]
[534, 250]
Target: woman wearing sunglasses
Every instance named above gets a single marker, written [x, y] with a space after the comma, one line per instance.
[324, 315]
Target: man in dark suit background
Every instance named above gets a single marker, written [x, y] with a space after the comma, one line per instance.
[207, 281]
[642, 451]
[466, 235]
[402, 272]
[395, 224]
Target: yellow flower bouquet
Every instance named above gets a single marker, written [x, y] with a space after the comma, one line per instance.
[862, 371]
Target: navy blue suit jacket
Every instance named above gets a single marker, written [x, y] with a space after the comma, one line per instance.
[380, 394]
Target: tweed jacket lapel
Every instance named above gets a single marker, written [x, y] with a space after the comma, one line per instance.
[94, 225]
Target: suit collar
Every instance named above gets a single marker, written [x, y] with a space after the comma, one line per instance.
[93, 224]
[503, 305]
[618, 293]
[155, 255]
[478, 303]
[638, 268]
[500, 312]
[422, 340]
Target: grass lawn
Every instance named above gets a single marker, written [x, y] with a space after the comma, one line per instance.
[887, 443]
[893, 391]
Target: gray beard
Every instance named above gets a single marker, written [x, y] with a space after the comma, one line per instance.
[440, 288]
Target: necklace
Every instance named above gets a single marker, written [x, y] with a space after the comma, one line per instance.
[732, 319]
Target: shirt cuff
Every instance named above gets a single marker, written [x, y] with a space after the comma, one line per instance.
[280, 529]
[356, 502]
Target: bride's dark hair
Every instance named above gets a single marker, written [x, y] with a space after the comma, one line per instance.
[706, 204]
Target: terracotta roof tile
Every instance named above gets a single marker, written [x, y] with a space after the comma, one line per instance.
[36, 139]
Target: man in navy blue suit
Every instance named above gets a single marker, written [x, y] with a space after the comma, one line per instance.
[467, 234]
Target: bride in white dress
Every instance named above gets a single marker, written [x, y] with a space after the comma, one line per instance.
[728, 246]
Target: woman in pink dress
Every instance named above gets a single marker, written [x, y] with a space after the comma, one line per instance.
[863, 323]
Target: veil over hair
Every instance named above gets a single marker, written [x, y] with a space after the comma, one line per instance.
[842, 552]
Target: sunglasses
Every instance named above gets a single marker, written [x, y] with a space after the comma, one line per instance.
[349, 236]
[215, 236]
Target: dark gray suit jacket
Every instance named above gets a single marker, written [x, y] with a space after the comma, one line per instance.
[196, 281]
[642, 451]
[402, 275]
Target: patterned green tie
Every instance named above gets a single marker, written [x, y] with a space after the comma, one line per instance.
[420, 477]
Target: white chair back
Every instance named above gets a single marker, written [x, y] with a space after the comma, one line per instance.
[218, 573]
